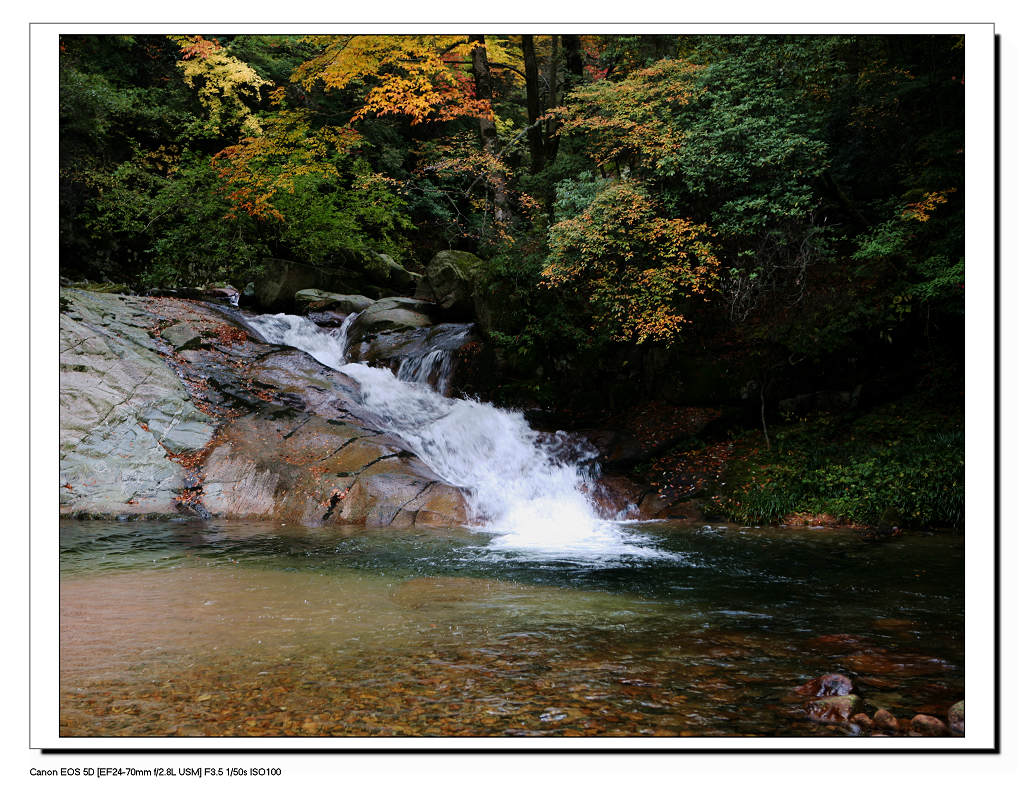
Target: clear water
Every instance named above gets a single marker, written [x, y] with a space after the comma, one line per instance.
[237, 629]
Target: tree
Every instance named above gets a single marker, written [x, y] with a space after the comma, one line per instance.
[637, 269]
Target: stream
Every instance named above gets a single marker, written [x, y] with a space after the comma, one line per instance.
[544, 617]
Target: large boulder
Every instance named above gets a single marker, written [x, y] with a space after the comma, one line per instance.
[450, 281]
[387, 316]
[388, 272]
[225, 426]
[404, 349]
[280, 280]
[124, 414]
[313, 300]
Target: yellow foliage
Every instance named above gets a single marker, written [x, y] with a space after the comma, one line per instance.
[922, 210]
[224, 84]
[422, 77]
[636, 268]
[632, 120]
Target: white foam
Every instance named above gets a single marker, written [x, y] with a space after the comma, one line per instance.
[518, 483]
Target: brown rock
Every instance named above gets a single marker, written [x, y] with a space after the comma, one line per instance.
[928, 726]
[886, 721]
[236, 428]
[864, 721]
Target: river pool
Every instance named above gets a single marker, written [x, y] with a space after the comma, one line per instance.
[249, 629]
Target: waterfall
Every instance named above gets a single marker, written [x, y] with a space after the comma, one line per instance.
[520, 484]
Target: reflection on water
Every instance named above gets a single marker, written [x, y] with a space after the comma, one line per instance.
[231, 628]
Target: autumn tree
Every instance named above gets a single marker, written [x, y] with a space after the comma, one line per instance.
[637, 268]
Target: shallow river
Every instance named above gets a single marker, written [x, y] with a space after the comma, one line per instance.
[239, 629]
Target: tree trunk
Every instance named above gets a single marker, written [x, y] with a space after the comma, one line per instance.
[488, 132]
[573, 56]
[534, 136]
[554, 97]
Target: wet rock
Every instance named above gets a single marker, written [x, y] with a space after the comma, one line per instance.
[862, 720]
[617, 496]
[653, 506]
[834, 709]
[825, 685]
[328, 319]
[235, 428]
[956, 719]
[222, 292]
[414, 353]
[450, 280]
[313, 300]
[182, 336]
[390, 314]
[928, 726]
[881, 533]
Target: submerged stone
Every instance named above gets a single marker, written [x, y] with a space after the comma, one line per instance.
[826, 685]
[928, 726]
[886, 721]
[834, 709]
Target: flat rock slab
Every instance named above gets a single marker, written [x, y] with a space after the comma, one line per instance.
[182, 336]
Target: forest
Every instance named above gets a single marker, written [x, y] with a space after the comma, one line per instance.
[766, 232]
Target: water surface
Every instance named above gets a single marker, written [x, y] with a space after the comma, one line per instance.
[240, 628]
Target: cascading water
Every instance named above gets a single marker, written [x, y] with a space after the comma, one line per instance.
[518, 482]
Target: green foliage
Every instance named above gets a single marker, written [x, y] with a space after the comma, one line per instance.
[344, 222]
[902, 463]
[574, 196]
[172, 226]
[792, 198]
[920, 248]
[724, 142]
